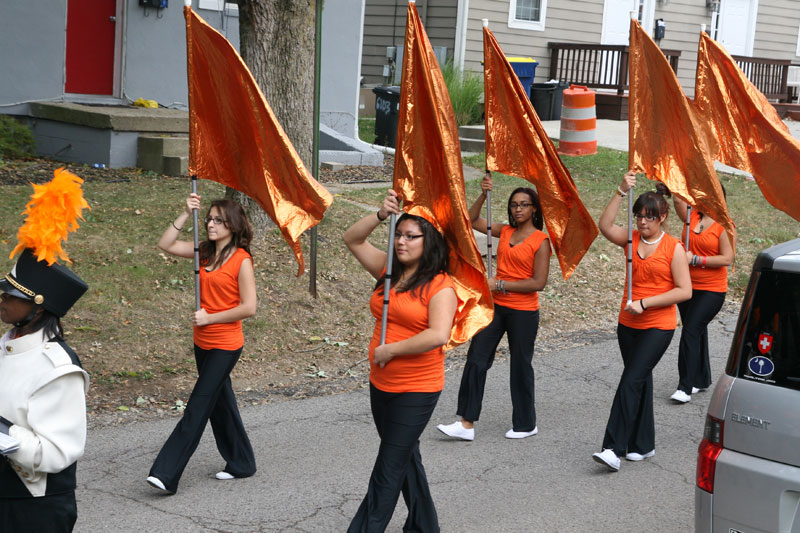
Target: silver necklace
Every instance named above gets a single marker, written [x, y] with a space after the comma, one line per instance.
[655, 241]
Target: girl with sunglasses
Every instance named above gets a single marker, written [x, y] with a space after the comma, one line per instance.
[646, 324]
[406, 373]
[227, 295]
[523, 263]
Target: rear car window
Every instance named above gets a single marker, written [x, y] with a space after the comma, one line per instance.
[767, 345]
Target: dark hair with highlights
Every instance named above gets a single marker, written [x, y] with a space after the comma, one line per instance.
[241, 230]
[50, 323]
[653, 203]
[435, 257]
[538, 221]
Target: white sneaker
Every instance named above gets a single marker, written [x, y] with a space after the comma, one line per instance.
[607, 457]
[511, 434]
[695, 390]
[157, 483]
[680, 396]
[457, 431]
[224, 475]
[633, 456]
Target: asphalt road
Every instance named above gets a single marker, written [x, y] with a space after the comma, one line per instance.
[315, 457]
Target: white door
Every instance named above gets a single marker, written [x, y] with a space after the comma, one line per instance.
[737, 25]
[617, 19]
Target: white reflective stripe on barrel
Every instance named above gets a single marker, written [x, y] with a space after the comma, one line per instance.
[578, 113]
[574, 136]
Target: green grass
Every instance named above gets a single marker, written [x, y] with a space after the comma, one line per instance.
[465, 88]
[366, 129]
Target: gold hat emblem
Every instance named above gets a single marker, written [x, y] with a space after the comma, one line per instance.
[38, 299]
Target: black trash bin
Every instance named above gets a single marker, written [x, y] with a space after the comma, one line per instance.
[547, 98]
[387, 103]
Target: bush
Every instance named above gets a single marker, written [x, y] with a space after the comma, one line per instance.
[465, 88]
[16, 140]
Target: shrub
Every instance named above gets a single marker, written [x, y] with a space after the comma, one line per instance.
[16, 140]
[465, 88]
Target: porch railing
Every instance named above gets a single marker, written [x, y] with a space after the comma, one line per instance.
[770, 76]
[598, 66]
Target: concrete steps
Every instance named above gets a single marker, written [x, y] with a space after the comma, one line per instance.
[472, 138]
[165, 154]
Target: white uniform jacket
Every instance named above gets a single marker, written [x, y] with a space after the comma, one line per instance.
[43, 394]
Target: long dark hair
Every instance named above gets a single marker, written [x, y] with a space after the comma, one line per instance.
[538, 221]
[654, 203]
[435, 257]
[241, 230]
[47, 321]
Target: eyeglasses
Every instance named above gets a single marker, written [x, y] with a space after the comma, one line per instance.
[406, 236]
[649, 218]
[523, 205]
[216, 220]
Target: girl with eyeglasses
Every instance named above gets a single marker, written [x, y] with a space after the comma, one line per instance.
[646, 324]
[523, 263]
[407, 372]
[227, 295]
[710, 252]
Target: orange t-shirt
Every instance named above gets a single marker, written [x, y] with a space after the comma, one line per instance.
[515, 263]
[408, 315]
[219, 291]
[706, 243]
[651, 276]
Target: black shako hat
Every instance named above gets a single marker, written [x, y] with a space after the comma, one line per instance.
[54, 287]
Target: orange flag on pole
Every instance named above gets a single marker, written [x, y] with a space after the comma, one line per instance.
[751, 135]
[667, 142]
[518, 145]
[429, 179]
[235, 139]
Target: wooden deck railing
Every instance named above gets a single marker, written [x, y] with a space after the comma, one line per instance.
[770, 76]
[598, 66]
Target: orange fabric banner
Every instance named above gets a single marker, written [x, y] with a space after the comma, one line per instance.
[751, 135]
[235, 139]
[518, 145]
[429, 179]
[666, 141]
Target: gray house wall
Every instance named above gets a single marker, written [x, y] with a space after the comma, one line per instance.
[776, 34]
[33, 40]
[385, 25]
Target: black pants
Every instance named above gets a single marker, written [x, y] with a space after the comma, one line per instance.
[521, 327]
[56, 513]
[212, 398]
[631, 425]
[694, 368]
[400, 419]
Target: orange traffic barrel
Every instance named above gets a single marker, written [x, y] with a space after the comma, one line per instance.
[578, 122]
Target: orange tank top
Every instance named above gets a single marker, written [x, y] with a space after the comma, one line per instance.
[706, 243]
[515, 263]
[219, 291]
[408, 315]
[651, 276]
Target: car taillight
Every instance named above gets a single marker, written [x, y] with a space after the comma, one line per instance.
[707, 453]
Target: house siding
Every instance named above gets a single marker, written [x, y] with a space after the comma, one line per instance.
[385, 25]
[776, 34]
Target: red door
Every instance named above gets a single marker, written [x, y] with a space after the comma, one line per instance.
[90, 46]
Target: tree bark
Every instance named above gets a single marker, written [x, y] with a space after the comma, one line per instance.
[276, 41]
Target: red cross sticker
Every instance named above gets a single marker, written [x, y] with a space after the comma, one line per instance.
[764, 343]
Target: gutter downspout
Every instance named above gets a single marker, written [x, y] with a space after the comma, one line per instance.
[462, 18]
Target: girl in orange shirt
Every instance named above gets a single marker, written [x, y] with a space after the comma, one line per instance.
[227, 295]
[646, 324]
[407, 372]
[523, 263]
[710, 252]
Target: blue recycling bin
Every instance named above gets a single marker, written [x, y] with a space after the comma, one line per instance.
[525, 69]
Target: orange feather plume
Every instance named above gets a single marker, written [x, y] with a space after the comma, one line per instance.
[50, 215]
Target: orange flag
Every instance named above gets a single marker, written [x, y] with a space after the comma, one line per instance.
[518, 145]
[667, 142]
[235, 139]
[429, 179]
[751, 135]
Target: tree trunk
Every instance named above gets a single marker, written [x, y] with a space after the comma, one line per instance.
[276, 40]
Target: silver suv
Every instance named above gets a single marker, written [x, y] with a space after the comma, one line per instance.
[748, 463]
